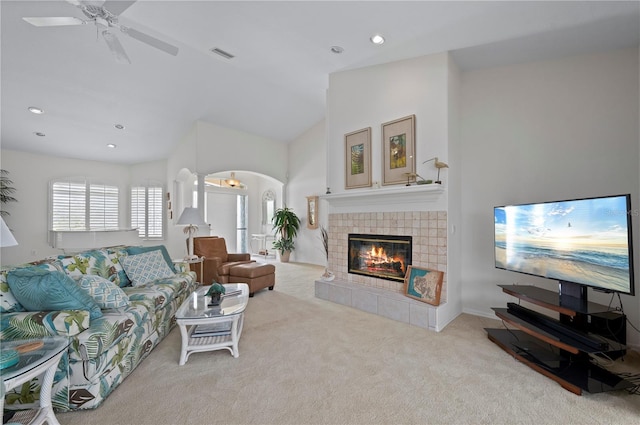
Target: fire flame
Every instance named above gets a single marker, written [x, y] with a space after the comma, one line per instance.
[377, 256]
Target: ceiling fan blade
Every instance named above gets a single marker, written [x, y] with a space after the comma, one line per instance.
[115, 47]
[116, 7]
[54, 21]
[151, 41]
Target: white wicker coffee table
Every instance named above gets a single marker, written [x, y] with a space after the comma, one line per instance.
[223, 324]
[43, 360]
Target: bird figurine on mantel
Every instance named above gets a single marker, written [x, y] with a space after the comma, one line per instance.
[439, 165]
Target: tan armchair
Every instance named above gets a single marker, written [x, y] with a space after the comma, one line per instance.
[217, 261]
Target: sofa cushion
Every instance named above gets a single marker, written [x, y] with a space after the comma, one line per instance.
[133, 250]
[225, 269]
[161, 292]
[8, 302]
[38, 289]
[36, 324]
[97, 262]
[105, 293]
[110, 329]
[114, 255]
[146, 267]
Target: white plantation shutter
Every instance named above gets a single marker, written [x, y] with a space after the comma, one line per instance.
[147, 206]
[138, 210]
[103, 207]
[68, 206]
[155, 207]
[79, 205]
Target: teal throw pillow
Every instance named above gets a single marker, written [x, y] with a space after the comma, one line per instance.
[43, 290]
[104, 292]
[146, 267]
[133, 250]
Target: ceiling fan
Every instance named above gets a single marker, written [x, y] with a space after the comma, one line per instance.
[105, 17]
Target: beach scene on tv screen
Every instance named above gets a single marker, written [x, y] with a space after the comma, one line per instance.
[582, 241]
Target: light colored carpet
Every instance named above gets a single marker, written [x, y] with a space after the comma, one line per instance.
[308, 361]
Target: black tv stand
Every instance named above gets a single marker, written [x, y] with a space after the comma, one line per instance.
[559, 349]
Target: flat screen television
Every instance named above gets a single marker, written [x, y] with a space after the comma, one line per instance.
[582, 241]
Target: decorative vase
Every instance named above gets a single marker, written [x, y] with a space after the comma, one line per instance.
[215, 299]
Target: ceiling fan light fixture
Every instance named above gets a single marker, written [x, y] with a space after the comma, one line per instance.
[232, 182]
[35, 110]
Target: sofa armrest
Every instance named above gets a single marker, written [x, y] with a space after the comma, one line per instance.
[181, 266]
[35, 324]
[210, 267]
[239, 257]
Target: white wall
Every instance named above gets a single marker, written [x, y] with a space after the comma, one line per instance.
[221, 149]
[544, 131]
[369, 97]
[454, 210]
[208, 149]
[31, 174]
[307, 176]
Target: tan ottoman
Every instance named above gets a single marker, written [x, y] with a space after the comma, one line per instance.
[257, 275]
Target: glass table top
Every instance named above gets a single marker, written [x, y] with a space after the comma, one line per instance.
[29, 360]
[196, 306]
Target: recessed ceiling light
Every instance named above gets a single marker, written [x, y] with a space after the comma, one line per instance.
[336, 49]
[35, 110]
[37, 133]
[119, 126]
[111, 145]
[377, 39]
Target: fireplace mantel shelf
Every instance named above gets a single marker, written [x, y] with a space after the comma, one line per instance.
[385, 195]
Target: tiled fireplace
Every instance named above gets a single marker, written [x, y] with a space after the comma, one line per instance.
[428, 232]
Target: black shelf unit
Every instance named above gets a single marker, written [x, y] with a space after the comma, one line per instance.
[555, 354]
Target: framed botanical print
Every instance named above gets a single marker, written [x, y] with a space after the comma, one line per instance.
[358, 158]
[398, 150]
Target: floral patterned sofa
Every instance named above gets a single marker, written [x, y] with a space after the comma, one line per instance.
[127, 305]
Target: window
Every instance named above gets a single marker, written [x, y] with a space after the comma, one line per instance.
[81, 205]
[147, 206]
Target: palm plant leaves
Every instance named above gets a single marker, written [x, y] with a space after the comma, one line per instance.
[6, 190]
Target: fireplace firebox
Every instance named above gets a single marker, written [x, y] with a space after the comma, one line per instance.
[381, 256]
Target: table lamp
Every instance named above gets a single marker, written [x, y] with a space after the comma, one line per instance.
[191, 218]
[6, 237]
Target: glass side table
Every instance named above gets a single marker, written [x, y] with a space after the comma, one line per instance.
[35, 362]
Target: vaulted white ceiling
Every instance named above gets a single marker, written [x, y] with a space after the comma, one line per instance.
[276, 84]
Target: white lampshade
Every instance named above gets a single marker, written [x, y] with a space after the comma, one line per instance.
[191, 217]
[6, 237]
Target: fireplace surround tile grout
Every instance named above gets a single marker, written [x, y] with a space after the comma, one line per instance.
[428, 228]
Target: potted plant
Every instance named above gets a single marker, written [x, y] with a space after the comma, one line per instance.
[284, 247]
[6, 191]
[285, 225]
[215, 292]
